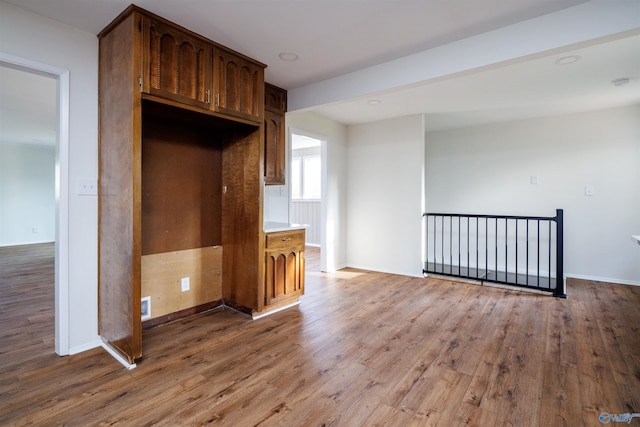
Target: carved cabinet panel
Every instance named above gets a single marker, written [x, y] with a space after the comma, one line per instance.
[274, 148]
[238, 86]
[177, 65]
[275, 104]
[275, 98]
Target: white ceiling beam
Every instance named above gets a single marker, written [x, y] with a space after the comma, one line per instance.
[586, 22]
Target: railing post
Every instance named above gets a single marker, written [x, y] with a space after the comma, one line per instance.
[560, 288]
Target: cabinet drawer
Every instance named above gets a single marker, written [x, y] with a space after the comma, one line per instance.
[284, 239]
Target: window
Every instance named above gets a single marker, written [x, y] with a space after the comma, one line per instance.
[306, 168]
[305, 177]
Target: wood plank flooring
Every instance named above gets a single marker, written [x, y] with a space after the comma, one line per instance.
[362, 349]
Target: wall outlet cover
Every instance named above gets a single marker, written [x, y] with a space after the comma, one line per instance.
[184, 284]
[145, 308]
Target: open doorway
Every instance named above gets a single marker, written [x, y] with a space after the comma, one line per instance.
[34, 131]
[306, 185]
[308, 188]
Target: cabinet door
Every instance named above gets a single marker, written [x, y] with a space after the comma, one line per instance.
[178, 65]
[275, 99]
[238, 86]
[274, 148]
[284, 275]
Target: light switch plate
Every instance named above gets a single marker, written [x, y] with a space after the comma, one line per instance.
[88, 187]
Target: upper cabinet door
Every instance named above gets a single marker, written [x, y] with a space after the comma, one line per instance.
[275, 106]
[275, 99]
[177, 64]
[274, 148]
[238, 86]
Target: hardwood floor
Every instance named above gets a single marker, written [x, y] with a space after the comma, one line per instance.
[363, 348]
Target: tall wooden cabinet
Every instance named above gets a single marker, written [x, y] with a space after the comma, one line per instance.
[181, 148]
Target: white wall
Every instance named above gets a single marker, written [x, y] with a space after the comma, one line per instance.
[27, 194]
[334, 256]
[30, 36]
[488, 169]
[384, 189]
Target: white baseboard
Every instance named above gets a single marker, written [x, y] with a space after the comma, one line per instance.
[377, 270]
[116, 355]
[86, 346]
[602, 279]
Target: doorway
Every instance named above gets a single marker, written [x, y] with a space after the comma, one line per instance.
[57, 136]
[308, 188]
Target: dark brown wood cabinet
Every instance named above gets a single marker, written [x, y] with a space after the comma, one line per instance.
[275, 99]
[275, 104]
[284, 266]
[177, 175]
[177, 64]
[238, 86]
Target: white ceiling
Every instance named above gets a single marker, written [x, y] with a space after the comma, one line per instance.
[535, 87]
[330, 36]
[333, 37]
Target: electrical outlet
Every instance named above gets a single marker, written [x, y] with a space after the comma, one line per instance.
[184, 283]
[588, 190]
[145, 308]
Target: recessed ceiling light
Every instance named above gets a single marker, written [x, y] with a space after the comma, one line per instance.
[566, 60]
[374, 102]
[288, 56]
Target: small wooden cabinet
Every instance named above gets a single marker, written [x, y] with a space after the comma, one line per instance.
[275, 99]
[177, 65]
[275, 104]
[238, 86]
[284, 266]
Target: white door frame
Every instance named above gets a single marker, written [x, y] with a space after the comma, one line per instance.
[324, 256]
[61, 193]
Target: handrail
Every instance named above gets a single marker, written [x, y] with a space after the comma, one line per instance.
[498, 251]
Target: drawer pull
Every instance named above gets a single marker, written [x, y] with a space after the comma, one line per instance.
[286, 239]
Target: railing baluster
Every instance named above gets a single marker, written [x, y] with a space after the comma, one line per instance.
[559, 291]
[442, 241]
[459, 266]
[486, 247]
[526, 281]
[468, 236]
[538, 258]
[549, 256]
